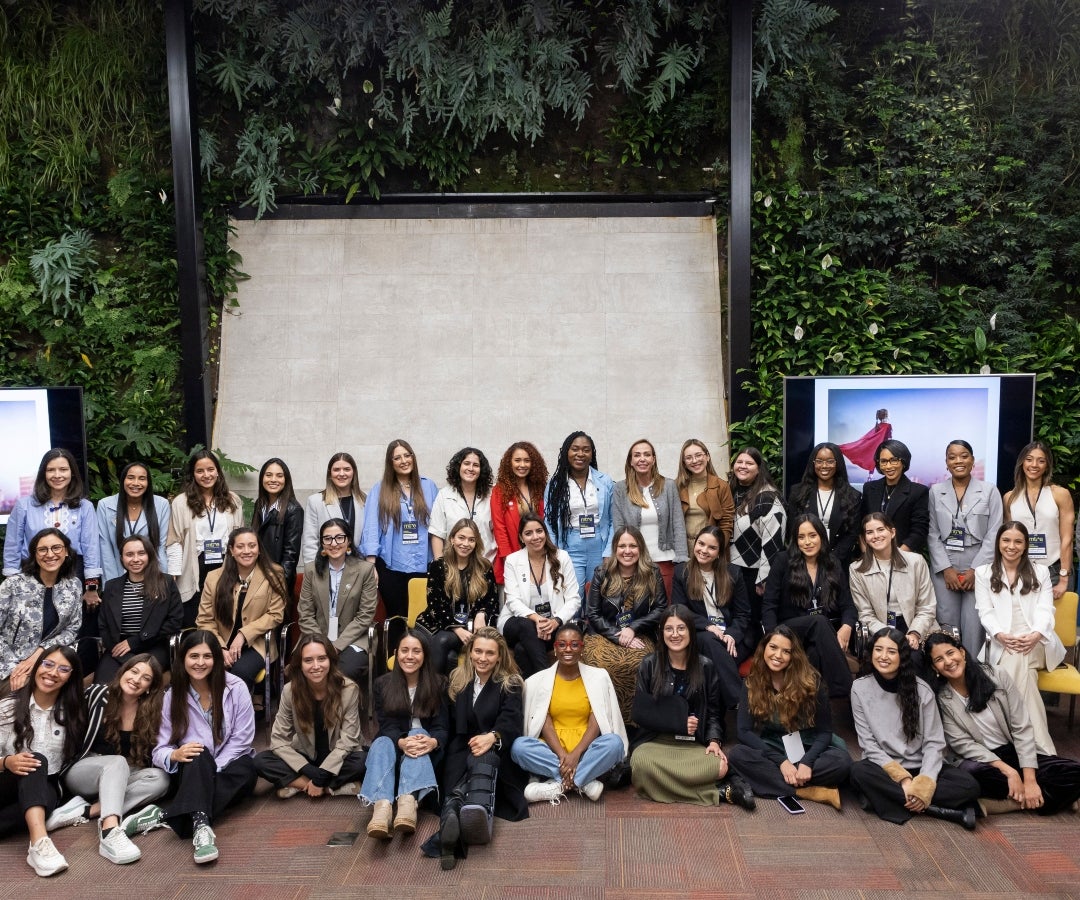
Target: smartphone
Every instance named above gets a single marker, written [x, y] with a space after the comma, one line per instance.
[792, 805]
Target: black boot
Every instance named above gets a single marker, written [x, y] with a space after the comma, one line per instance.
[737, 792]
[965, 816]
[449, 832]
[479, 806]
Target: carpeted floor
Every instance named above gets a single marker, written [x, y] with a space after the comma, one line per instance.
[621, 847]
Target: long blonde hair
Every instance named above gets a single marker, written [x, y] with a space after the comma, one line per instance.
[638, 586]
[474, 575]
[633, 490]
[506, 674]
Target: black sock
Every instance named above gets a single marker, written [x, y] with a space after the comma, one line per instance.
[198, 819]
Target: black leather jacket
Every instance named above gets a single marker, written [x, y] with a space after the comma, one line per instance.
[603, 612]
[667, 714]
[281, 540]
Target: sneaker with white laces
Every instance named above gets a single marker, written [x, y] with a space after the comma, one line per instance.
[71, 813]
[286, 792]
[116, 846]
[204, 842]
[552, 791]
[146, 819]
[348, 789]
[44, 858]
[593, 790]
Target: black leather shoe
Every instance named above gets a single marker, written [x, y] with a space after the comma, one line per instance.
[737, 792]
[965, 816]
[449, 834]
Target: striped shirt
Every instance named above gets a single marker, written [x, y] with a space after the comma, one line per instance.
[131, 616]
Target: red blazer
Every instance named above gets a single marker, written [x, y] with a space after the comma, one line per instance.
[505, 519]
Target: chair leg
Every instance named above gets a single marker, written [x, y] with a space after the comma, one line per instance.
[1072, 710]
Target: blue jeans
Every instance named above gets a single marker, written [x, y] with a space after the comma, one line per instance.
[603, 754]
[416, 776]
[585, 553]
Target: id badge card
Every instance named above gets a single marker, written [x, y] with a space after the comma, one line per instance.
[332, 628]
[213, 552]
[587, 525]
[623, 619]
[1037, 545]
[890, 619]
[461, 618]
[718, 620]
[410, 533]
[543, 609]
[956, 538]
[793, 747]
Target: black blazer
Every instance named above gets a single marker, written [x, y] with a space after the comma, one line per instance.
[495, 710]
[667, 714]
[398, 725]
[439, 615]
[736, 611]
[281, 539]
[842, 521]
[161, 619]
[778, 607]
[603, 612]
[909, 509]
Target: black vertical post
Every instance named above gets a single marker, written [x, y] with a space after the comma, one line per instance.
[180, 56]
[739, 321]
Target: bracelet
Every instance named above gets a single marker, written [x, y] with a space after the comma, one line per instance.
[3, 762]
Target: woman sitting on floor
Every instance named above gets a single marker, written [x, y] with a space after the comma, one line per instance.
[574, 730]
[987, 726]
[786, 743]
[315, 741]
[680, 710]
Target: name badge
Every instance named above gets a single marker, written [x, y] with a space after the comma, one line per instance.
[461, 618]
[1037, 546]
[718, 620]
[793, 746]
[410, 533]
[956, 538]
[587, 525]
[890, 619]
[213, 552]
[332, 628]
[543, 609]
[684, 737]
[623, 619]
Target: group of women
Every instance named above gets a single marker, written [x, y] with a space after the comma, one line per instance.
[650, 593]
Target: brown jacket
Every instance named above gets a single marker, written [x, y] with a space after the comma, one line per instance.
[264, 609]
[717, 502]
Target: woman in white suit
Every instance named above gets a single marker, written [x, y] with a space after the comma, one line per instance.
[339, 596]
[340, 499]
[1015, 601]
[965, 514]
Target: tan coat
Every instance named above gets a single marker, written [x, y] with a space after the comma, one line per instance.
[264, 609]
[297, 748]
[358, 596]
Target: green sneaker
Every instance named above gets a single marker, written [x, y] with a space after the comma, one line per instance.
[205, 848]
[146, 819]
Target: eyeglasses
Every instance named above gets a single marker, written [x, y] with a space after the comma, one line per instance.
[50, 665]
[328, 540]
[568, 645]
[891, 461]
[825, 463]
[54, 550]
[678, 629]
[697, 457]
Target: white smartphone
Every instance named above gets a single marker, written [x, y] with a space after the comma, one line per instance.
[791, 804]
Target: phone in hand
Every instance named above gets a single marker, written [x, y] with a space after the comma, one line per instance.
[791, 804]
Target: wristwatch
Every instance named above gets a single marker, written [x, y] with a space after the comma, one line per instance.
[498, 740]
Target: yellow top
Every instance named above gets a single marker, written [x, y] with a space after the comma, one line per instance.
[569, 711]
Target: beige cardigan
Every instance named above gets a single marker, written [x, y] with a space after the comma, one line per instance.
[182, 537]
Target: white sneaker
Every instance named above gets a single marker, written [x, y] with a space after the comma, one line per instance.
[593, 790]
[71, 813]
[349, 789]
[537, 791]
[116, 846]
[45, 859]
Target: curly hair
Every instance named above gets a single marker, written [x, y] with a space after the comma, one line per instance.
[484, 480]
[794, 705]
[535, 481]
[144, 732]
[557, 508]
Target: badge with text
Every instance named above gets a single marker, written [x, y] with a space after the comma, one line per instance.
[1037, 545]
[587, 525]
[213, 552]
[410, 533]
[956, 538]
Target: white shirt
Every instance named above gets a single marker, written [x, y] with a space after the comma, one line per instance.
[650, 529]
[450, 507]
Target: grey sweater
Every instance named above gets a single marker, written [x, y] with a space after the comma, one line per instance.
[879, 724]
[668, 510]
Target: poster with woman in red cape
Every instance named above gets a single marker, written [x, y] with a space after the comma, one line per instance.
[861, 450]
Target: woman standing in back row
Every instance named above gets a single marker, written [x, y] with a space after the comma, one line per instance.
[340, 499]
[518, 491]
[1046, 510]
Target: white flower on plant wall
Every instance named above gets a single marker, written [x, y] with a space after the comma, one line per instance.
[896, 353]
[873, 329]
[838, 357]
[826, 261]
[993, 322]
[799, 333]
[985, 370]
[768, 201]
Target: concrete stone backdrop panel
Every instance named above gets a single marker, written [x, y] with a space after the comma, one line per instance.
[448, 332]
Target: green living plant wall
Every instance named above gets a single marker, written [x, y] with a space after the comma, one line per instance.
[816, 315]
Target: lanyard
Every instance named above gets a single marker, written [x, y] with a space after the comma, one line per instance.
[471, 509]
[582, 490]
[823, 511]
[211, 516]
[408, 503]
[130, 529]
[528, 503]
[886, 496]
[335, 586]
[1027, 500]
[537, 579]
[888, 587]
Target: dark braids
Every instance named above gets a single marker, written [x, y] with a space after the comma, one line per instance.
[557, 508]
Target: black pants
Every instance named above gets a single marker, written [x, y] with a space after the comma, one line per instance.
[1058, 778]
[354, 664]
[830, 769]
[530, 651]
[18, 793]
[280, 774]
[818, 638]
[248, 666]
[201, 788]
[445, 647]
[394, 588]
[753, 635]
[109, 665]
[955, 790]
[727, 667]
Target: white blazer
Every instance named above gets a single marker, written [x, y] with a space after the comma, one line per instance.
[598, 688]
[520, 592]
[995, 613]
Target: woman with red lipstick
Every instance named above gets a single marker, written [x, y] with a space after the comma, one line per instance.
[243, 600]
[518, 491]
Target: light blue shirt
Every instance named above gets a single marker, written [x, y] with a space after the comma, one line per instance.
[110, 553]
[29, 517]
[388, 544]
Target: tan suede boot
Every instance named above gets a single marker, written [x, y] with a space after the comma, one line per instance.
[997, 807]
[405, 820]
[827, 795]
[379, 826]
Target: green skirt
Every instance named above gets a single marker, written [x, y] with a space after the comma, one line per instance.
[671, 771]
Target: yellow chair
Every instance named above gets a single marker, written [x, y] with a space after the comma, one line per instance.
[1065, 679]
[417, 604]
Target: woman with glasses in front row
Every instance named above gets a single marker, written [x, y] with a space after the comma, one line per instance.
[40, 606]
[339, 596]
